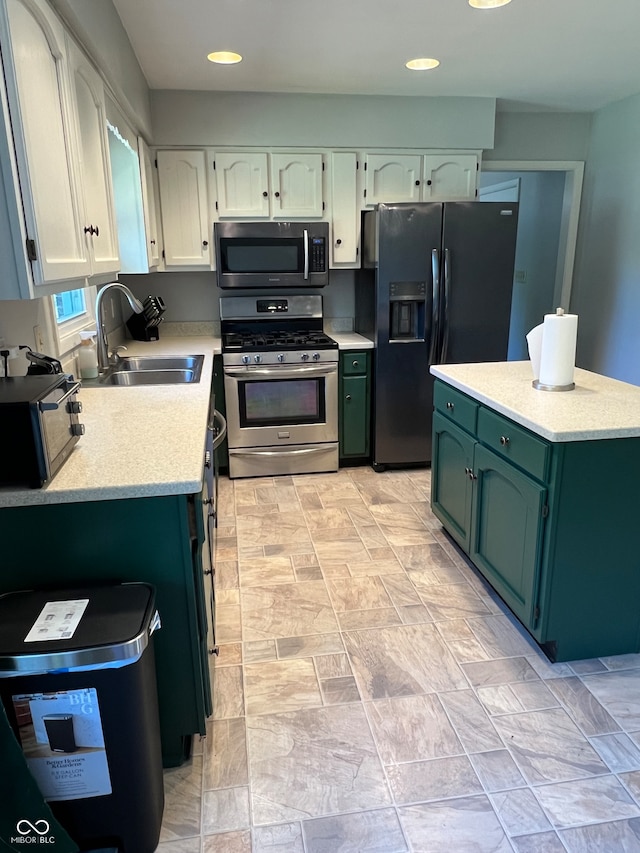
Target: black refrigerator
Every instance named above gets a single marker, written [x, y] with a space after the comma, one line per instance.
[435, 288]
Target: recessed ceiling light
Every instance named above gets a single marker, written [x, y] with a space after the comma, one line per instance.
[488, 4]
[224, 57]
[423, 64]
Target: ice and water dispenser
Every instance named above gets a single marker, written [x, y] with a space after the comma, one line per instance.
[407, 310]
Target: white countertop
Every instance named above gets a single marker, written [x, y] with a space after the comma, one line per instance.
[350, 340]
[597, 408]
[140, 441]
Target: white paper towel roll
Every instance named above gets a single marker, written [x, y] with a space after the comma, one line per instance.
[552, 349]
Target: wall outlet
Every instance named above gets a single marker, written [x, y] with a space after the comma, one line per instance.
[38, 338]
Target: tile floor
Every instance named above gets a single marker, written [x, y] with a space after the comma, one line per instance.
[373, 694]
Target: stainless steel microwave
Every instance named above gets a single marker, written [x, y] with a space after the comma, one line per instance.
[271, 255]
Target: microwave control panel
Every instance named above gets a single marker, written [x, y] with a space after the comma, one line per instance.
[317, 261]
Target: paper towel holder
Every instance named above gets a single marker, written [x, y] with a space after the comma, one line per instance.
[540, 386]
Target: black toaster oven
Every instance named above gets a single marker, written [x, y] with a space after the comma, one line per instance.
[39, 427]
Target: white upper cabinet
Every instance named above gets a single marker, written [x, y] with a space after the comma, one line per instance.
[149, 203]
[296, 186]
[449, 177]
[182, 179]
[392, 177]
[242, 182]
[100, 227]
[345, 211]
[35, 63]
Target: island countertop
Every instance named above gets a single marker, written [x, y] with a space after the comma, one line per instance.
[141, 441]
[598, 407]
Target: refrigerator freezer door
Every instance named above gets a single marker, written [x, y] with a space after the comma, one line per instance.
[479, 244]
[407, 236]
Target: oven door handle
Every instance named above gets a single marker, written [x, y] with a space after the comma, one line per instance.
[51, 407]
[276, 372]
[306, 254]
[301, 452]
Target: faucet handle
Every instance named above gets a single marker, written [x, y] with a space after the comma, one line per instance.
[115, 353]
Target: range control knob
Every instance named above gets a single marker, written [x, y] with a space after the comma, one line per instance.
[257, 359]
[74, 407]
[281, 357]
[304, 356]
[316, 356]
[77, 429]
[246, 359]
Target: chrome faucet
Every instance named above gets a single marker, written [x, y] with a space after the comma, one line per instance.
[102, 346]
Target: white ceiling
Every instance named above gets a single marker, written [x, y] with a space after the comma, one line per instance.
[549, 54]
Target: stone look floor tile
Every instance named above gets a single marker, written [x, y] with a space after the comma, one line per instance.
[367, 832]
[182, 803]
[313, 762]
[430, 675]
[285, 685]
[464, 824]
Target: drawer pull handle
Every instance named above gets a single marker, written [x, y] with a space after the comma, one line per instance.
[504, 440]
[348, 397]
[450, 405]
[355, 364]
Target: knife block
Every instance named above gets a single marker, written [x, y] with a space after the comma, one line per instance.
[140, 328]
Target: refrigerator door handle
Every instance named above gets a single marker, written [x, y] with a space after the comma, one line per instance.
[435, 307]
[445, 308]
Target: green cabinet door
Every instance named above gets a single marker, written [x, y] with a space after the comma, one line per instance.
[451, 485]
[354, 410]
[507, 524]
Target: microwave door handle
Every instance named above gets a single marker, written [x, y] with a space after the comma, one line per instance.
[306, 254]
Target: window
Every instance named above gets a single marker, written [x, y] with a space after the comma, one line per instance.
[69, 305]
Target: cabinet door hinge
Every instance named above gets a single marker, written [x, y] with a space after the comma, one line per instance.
[477, 167]
[365, 166]
[365, 193]
[536, 614]
[163, 255]
[545, 511]
[357, 165]
[476, 193]
[216, 205]
[214, 165]
[323, 165]
[323, 205]
[32, 255]
[155, 162]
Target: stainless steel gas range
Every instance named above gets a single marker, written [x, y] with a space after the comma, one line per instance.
[281, 386]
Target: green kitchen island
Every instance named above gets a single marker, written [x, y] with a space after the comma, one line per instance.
[540, 491]
[132, 503]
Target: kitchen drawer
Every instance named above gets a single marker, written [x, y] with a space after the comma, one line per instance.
[459, 408]
[514, 443]
[353, 363]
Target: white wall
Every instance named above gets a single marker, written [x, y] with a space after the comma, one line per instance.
[540, 136]
[606, 289]
[226, 118]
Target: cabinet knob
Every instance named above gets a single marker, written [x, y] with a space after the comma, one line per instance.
[355, 364]
[90, 229]
[504, 440]
[338, 241]
[429, 183]
[214, 651]
[208, 572]
[348, 397]
[265, 194]
[450, 406]
[277, 194]
[153, 242]
[417, 183]
[205, 242]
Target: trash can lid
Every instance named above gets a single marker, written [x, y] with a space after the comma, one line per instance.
[77, 628]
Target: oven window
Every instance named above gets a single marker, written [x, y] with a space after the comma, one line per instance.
[57, 430]
[261, 255]
[275, 402]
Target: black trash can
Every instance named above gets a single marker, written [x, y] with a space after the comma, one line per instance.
[78, 682]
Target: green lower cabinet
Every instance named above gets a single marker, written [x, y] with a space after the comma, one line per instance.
[158, 540]
[551, 526]
[507, 524]
[354, 411]
[451, 486]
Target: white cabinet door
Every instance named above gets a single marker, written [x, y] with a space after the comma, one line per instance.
[448, 177]
[296, 184]
[183, 204]
[242, 182]
[345, 214]
[392, 177]
[100, 227]
[149, 203]
[35, 61]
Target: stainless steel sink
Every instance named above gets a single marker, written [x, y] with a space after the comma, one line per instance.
[154, 370]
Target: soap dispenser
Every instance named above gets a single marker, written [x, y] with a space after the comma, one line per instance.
[87, 355]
